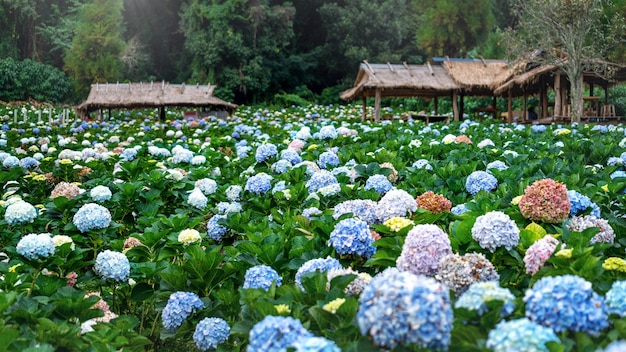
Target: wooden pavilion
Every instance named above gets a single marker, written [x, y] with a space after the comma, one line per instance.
[150, 95]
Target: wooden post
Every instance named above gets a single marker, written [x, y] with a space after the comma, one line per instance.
[377, 106]
[455, 107]
[557, 96]
[15, 116]
[162, 113]
[544, 100]
[25, 115]
[436, 105]
[50, 117]
[525, 107]
[364, 110]
[38, 116]
[509, 116]
[461, 105]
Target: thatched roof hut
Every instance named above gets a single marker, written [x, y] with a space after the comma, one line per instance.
[476, 77]
[151, 95]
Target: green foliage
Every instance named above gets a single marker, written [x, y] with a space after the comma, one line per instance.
[24, 80]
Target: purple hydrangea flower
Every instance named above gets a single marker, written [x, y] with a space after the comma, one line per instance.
[581, 223]
[423, 249]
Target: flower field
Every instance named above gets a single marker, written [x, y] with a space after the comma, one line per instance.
[305, 229]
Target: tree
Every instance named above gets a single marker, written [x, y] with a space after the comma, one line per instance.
[97, 46]
[451, 27]
[573, 35]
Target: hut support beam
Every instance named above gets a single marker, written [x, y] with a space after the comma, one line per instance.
[525, 108]
[377, 106]
[436, 105]
[509, 116]
[544, 100]
[455, 107]
[162, 113]
[558, 110]
[364, 110]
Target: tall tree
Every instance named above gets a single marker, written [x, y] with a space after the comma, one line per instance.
[451, 27]
[573, 35]
[97, 46]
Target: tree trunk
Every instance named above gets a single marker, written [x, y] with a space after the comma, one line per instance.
[576, 87]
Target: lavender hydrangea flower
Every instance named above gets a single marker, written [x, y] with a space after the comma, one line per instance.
[276, 334]
[328, 159]
[566, 303]
[480, 293]
[179, 307]
[458, 272]
[423, 249]
[100, 194]
[210, 332]
[261, 276]
[581, 223]
[321, 179]
[395, 203]
[398, 307]
[92, 216]
[579, 203]
[291, 156]
[29, 163]
[495, 229]
[214, 229]
[112, 265]
[364, 209]
[315, 344]
[259, 183]
[378, 183]
[352, 236]
[313, 265]
[20, 212]
[616, 298]
[206, 185]
[35, 246]
[265, 151]
[480, 181]
[197, 199]
[520, 335]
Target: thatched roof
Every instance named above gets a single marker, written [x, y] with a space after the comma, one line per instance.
[401, 81]
[476, 77]
[151, 95]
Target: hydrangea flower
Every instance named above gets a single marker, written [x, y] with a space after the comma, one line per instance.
[459, 209]
[259, 183]
[189, 236]
[356, 286]
[480, 181]
[378, 183]
[112, 265]
[214, 229]
[92, 216]
[315, 344]
[197, 199]
[398, 307]
[538, 253]
[10, 162]
[545, 201]
[520, 335]
[206, 185]
[352, 236]
[20, 212]
[495, 229]
[423, 249]
[129, 154]
[261, 276]
[29, 163]
[458, 272]
[100, 194]
[395, 203]
[485, 143]
[265, 151]
[309, 212]
[616, 298]
[581, 223]
[566, 302]
[327, 132]
[313, 265]
[616, 346]
[364, 209]
[65, 189]
[579, 203]
[328, 159]
[422, 164]
[233, 192]
[179, 307]
[397, 223]
[35, 246]
[276, 334]
[481, 292]
[281, 166]
[321, 179]
[210, 332]
[435, 203]
[497, 164]
[182, 156]
[291, 156]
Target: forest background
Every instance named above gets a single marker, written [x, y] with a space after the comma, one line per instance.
[254, 50]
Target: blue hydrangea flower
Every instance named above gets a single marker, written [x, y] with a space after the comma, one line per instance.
[92, 216]
[129, 154]
[206, 185]
[29, 163]
[182, 156]
[395, 203]
[616, 346]
[309, 212]
[197, 199]
[618, 174]
[364, 209]
[352, 236]
[20, 212]
[233, 192]
[100, 194]
[321, 179]
[214, 229]
[520, 335]
[259, 183]
[261, 276]
[210, 332]
[566, 303]
[378, 183]
[276, 334]
[328, 159]
[495, 229]
[498, 165]
[616, 298]
[327, 132]
[226, 207]
[112, 265]
[459, 209]
[265, 151]
[480, 293]
[318, 264]
[10, 162]
[480, 181]
[179, 307]
[316, 344]
[538, 128]
[242, 151]
[291, 156]
[398, 307]
[281, 166]
[579, 203]
[422, 164]
[35, 246]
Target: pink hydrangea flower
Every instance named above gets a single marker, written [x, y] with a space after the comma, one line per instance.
[545, 201]
[538, 253]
